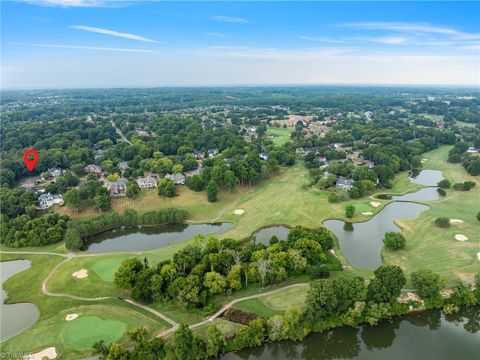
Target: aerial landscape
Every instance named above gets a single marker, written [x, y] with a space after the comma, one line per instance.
[239, 180]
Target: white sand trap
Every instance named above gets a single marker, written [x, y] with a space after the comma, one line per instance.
[49, 353]
[367, 213]
[424, 160]
[456, 221]
[461, 237]
[80, 274]
[239, 212]
[478, 256]
[71, 317]
[375, 204]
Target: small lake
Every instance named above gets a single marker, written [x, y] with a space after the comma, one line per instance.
[264, 235]
[149, 238]
[427, 177]
[15, 318]
[425, 194]
[421, 336]
[361, 243]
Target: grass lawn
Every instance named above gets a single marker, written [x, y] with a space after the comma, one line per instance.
[83, 332]
[228, 328]
[279, 136]
[431, 247]
[284, 199]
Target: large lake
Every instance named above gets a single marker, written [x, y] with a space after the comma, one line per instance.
[149, 238]
[15, 318]
[428, 335]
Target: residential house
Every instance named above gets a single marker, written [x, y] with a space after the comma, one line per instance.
[55, 172]
[344, 183]
[122, 166]
[194, 172]
[93, 169]
[117, 188]
[46, 201]
[198, 155]
[178, 178]
[147, 182]
[263, 156]
[213, 152]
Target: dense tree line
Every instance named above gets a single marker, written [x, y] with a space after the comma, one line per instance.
[210, 267]
[330, 303]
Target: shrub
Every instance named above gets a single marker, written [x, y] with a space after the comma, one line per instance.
[442, 221]
[349, 211]
[428, 284]
[441, 192]
[338, 196]
[394, 240]
[465, 186]
[319, 272]
[478, 216]
[444, 184]
[384, 196]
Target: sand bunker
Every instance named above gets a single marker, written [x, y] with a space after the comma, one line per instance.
[456, 221]
[71, 317]
[461, 237]
[367, 213]
[424, 160]
[375, 204]
[80, 274]
[478, 256]
[49, 353]
[239, 212]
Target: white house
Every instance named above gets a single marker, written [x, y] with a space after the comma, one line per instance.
[178, 178]
[55, 172]
[344, 183]
[147, 182]
[46, 201]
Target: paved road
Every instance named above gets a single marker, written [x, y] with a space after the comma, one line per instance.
[119, 132]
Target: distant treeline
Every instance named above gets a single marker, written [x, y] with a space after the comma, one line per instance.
[79, 230]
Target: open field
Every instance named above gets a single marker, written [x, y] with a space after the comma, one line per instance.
[286, 200]
[279, 136]
[195, 203]
[431, 247]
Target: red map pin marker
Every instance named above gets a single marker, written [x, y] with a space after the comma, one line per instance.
[29, 160]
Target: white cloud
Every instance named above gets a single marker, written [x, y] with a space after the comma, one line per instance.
[415, 28]
[320, 39]
[390, 40]
[230, 19]
[86, 47]
[112, 33]
[216, 34]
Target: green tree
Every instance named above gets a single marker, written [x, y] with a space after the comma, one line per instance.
[444, 184]
[428, 284]
[127, 273]
[72, 199]
[132, 189]
[212, 191]
[167, 188]
[216, 341]
[214, 282]
[387, 284]
[394, 240]
[349, 211]
[102, 202]
[442, 222]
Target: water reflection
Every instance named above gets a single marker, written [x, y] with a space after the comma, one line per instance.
[148, 238]
[426, 335]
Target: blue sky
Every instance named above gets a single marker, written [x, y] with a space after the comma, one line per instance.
[96, 43]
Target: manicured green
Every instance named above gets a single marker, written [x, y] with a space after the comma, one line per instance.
[83, 332]
[279, 135]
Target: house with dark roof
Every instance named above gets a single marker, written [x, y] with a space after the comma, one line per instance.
[344, 183]
[117, 188]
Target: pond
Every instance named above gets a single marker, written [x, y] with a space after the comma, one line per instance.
[426, 335]
[427, 177]
[16, 318]
[264, 235]
[361, 242]
[149, 238]
[425, 194]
